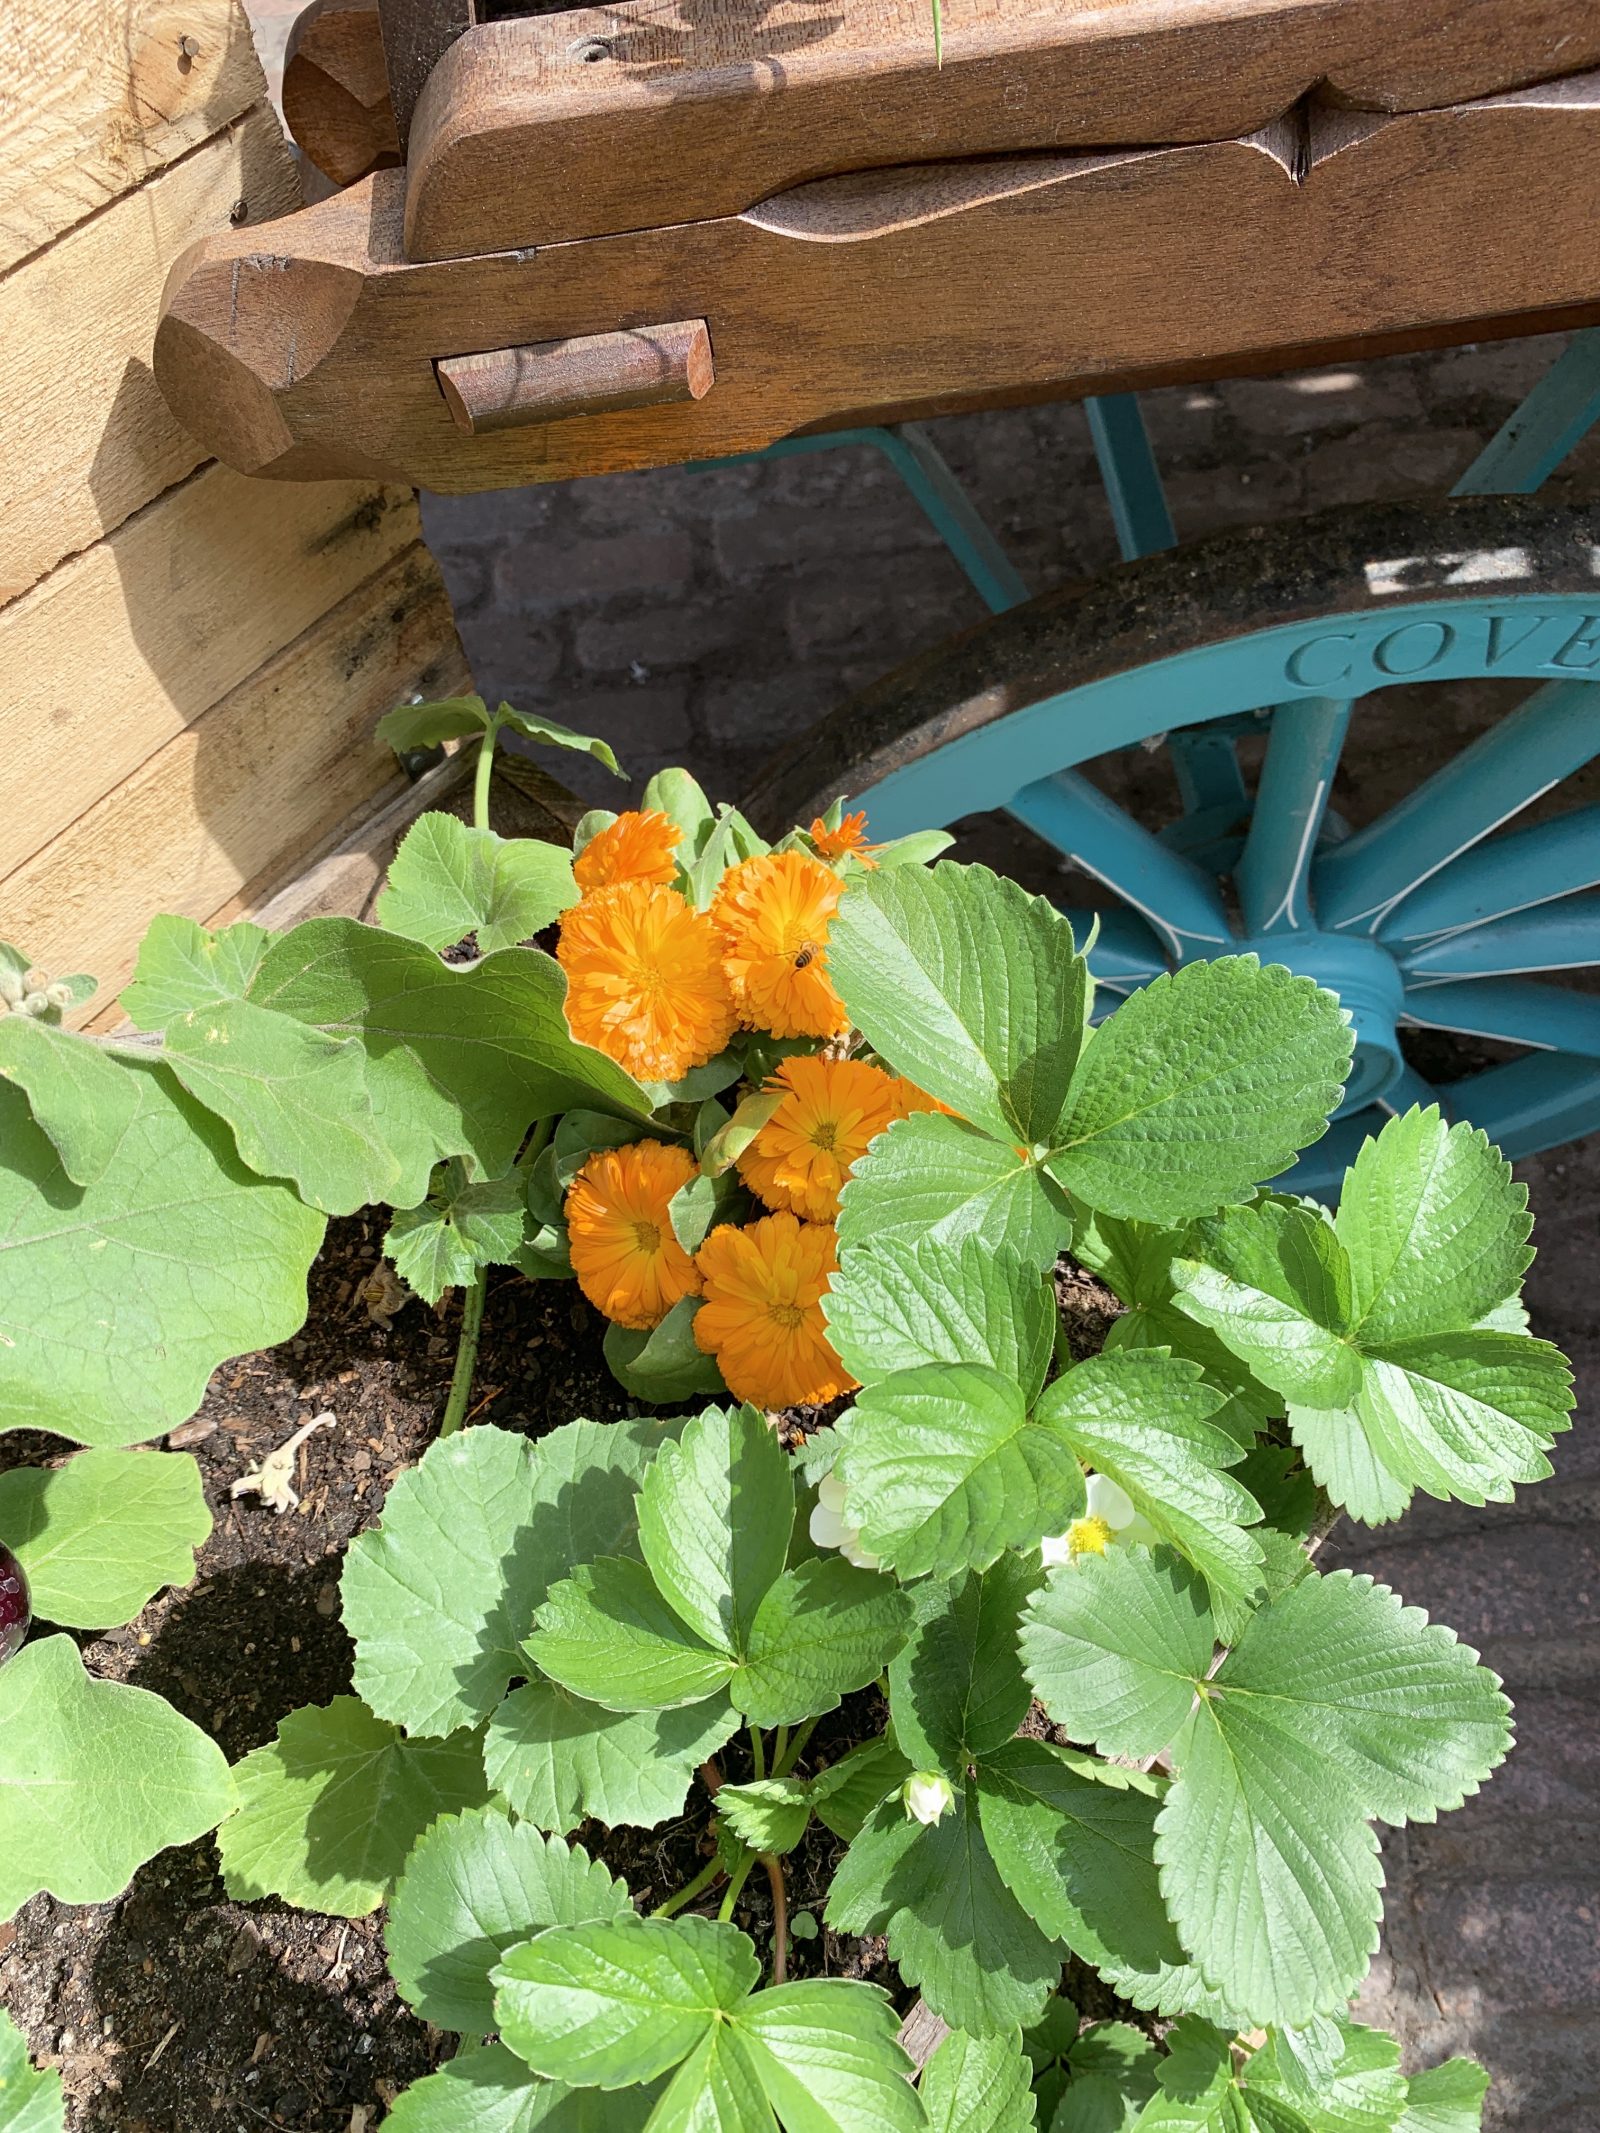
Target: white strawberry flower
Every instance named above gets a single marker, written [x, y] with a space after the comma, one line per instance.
[927, 1795]
[831, 1527]
[1109, 1517]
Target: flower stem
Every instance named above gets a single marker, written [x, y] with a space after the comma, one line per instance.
[710, 1872]
[758, 1754]
[780, 1917]
[482, 775]
[466, 1354]
[786, 1757]
[741, 1875]
[780, 1743]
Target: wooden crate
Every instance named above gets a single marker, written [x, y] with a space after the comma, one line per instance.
[191, 663]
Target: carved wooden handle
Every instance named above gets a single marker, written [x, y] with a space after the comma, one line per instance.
[647, 366]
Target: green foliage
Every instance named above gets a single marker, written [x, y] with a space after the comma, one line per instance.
[461, 1226]
[447, 881]
[492, 2091]
[30, 2097]
[95, 1778]
[100, 1536]
[82, 1099]
[978, 2085]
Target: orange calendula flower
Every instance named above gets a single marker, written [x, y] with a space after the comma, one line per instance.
[849, 838]
[645, 983]
[638, 846]
[625, 1252]
[774, 915]
[831, 1110]
[762, 1317]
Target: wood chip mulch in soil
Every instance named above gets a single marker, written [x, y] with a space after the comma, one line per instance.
[175, 2009]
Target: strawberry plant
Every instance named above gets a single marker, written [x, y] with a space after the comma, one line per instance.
[1029, 1648]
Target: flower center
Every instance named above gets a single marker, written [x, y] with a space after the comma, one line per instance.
[825, 1134]
[1088, 1536]
[789, 1316]
[647, 1235]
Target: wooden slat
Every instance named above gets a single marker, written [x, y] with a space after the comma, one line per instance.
[120, 648]
[88, 437]
[96, 95]
[659, 115]
[929, 286]
[249, 788]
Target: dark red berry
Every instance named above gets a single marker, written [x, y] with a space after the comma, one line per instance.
[15, 1612]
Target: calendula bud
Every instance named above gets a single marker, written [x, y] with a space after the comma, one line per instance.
[59, 995]
[927, 1795]
[11, 986]
[36, 1004]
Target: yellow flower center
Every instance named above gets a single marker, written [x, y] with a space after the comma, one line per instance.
[648, 1236]
[1088, 1536]
[825, 1134]
[786, 1315]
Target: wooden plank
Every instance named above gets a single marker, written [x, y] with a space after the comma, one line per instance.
[100, 94]
[120, 648]
[246, 790]
[942, 287]
[660, 115]
[88, 436]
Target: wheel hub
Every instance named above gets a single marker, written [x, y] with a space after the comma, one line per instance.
[1368, 983]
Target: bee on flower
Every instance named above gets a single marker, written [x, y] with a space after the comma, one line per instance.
[1109, 1517]
[762, 1317]
[624, 1249]
[773, 915]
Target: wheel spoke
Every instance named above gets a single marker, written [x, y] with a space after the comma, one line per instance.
[1556, 731]
[1514, 1010]
[1125, 955]
[1564, 935]
[1182, 906]
[1509, 873]
[1291, 800]
[1408, 1091]
[1532, 1103]
[1320, 1171]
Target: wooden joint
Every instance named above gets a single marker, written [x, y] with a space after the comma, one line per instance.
[646, 366]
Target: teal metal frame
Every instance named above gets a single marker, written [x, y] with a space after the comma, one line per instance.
[1425, 918]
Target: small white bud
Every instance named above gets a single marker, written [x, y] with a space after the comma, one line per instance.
[59, 995]
[35, 980]
[11, 986]
[927, 1795]
[36, 1004]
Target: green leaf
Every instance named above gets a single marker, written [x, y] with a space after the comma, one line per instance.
[768, 1814]
[945, 1468]
[919, 849]
[606, 1634]
[1273, 1282]
[95, 1778]
[329, 1810]
[101, 1535]
[412, 726]
[439, 1597]
[604, 2006]
[1361, 2090]
[827, 2056]
[30, 2096]
[460, 1061]
[682, 800]
[844, 1795]
[183, 965]
[447, 881]
[475, 1885]
[557, 1759]
[955, 1929]
[1436, 1229]
[1445, 2099]
[957, 1690]
[932, 1176]
[459, 1228]
[715, 1514]
[822, 1631]
[1115, 2072]
[492, 2091]
[968, 985]
[1463, 1415]
[978, 2085]
[83, 1099]
[1114, 1645]
[1144, 1418]
[295, 1099]
[899, 1303]
[664, 1364]
[554, 735]
[1200, 1085]
[204, 1261]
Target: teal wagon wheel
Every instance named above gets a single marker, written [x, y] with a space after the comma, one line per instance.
[1441, 914]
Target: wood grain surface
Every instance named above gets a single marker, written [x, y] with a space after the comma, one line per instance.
[509, 388]
[336, 92]
[607, 119]
[96, 95]
[920, 288]
[88, 437]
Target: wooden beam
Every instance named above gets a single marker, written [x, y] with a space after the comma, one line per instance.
[957, 285]
[510, 388]
[614, 118]
[416, 36]
[336, 91]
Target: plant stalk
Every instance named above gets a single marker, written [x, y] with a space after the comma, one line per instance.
[741, 1874]
[758, 1754]
[785, 1760]
[710, 1872]
[466, 1354]
[780, 1916]
[482, 776]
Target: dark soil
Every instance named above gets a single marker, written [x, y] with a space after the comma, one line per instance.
[176, 2010]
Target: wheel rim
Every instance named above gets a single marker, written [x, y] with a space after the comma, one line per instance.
[1437, 915]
